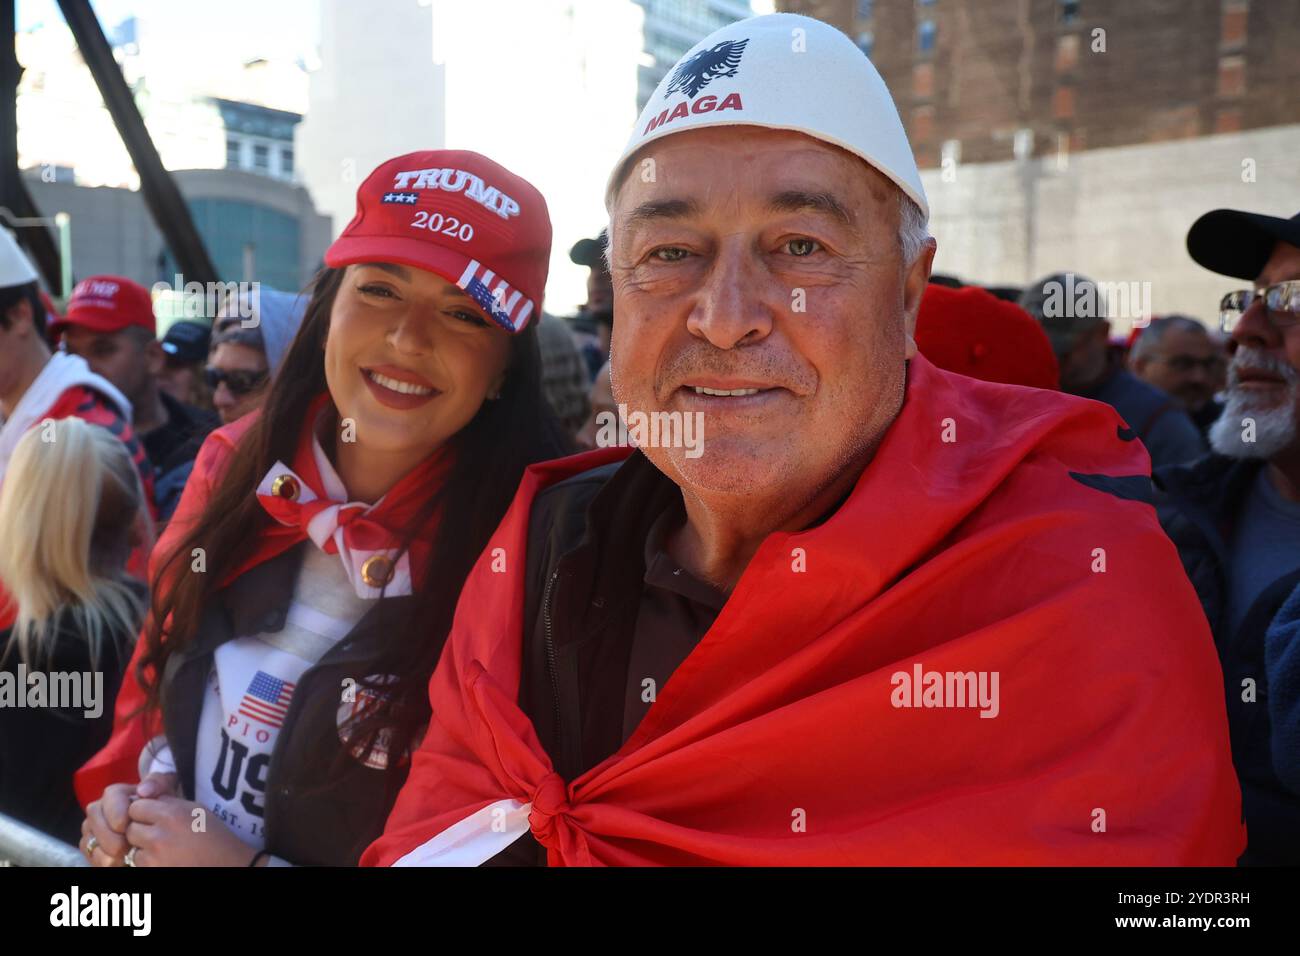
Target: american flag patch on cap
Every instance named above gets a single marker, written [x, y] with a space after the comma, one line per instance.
[507, 306]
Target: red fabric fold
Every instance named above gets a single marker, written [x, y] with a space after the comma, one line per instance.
[778, 741]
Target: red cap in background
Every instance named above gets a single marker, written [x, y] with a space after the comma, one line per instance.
[108, 304]
[459, 215]
[972, 332]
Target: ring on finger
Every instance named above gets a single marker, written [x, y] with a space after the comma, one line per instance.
[91, 843]
[129, 859]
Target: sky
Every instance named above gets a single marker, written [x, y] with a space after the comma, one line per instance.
[282, 28]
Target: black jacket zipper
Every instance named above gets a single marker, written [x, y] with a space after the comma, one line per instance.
[550, 649]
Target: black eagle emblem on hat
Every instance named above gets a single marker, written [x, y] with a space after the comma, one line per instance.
[696, 73]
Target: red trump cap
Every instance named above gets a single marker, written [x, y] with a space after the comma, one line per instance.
[459, 215]
[108, 304]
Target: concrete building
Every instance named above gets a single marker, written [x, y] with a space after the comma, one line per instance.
[255, 228]
[1087, 135]
[240, 115]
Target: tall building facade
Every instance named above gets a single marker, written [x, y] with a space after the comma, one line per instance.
[990, 81]
[674, 26]
[1088, 135]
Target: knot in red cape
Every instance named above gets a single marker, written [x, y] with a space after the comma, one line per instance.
[550, 801]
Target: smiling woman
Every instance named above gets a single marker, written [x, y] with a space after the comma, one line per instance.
[333, 532]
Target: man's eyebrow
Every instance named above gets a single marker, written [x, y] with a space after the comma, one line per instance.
[663, 209]
[400, 271]
[793, 200]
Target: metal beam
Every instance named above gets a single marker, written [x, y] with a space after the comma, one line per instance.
[15, 199]
[164, 200]
[9, 72]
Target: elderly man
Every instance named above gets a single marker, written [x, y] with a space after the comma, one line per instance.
[1176, 355]
[880, 614]
[1071, 310]
[1235, 515]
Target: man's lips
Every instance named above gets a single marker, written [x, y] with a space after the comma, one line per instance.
[722, 396]
[1255, 378]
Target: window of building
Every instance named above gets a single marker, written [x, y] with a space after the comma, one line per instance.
[925, 36]
[261, 156]
[233, 153]
[866, 39]
[286, 161]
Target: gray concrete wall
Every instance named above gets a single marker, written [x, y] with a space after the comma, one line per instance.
[1117, 215]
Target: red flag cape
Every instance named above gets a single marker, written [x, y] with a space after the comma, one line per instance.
[117, 761]
[792, 733]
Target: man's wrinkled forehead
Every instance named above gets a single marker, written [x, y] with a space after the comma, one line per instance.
[1283, 265]
[814, 176]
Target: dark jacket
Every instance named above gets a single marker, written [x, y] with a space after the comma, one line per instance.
[320, 807]
[1282, 656]
[582, 593]
[40, 748]
[172, 449]
[1199, 505]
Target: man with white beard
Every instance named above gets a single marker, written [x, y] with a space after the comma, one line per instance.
[1235, 514]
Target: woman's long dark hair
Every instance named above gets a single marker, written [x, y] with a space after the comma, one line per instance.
[490, 455]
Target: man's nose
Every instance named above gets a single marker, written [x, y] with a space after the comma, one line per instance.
[729, 308]
[1254, 329]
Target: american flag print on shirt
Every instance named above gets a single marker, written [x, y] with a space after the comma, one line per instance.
[507, 306]
[267, 699]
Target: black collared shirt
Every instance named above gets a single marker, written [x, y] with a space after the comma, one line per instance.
[676, 610]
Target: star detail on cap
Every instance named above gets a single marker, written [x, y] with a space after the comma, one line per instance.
[408, 198]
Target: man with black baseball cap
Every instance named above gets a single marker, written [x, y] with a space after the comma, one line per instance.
[186, 347]
[600, 288]
[1235, 514]
[594, 323]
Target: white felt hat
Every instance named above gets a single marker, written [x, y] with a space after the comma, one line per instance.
[782, 71]
[14, 267]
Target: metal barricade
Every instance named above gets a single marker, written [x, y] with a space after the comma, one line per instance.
[22, 845]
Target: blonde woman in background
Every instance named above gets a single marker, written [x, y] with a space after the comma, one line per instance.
[71, 511]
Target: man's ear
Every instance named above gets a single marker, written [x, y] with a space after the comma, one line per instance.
[917, 278]
[20, 315]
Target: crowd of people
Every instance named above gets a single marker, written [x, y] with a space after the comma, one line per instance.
[954, 577]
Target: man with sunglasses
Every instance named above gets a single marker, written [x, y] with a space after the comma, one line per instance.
[1235, 514]
[249, 339]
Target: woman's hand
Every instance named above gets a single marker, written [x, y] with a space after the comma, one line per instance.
[107, 819]
[163, 831]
